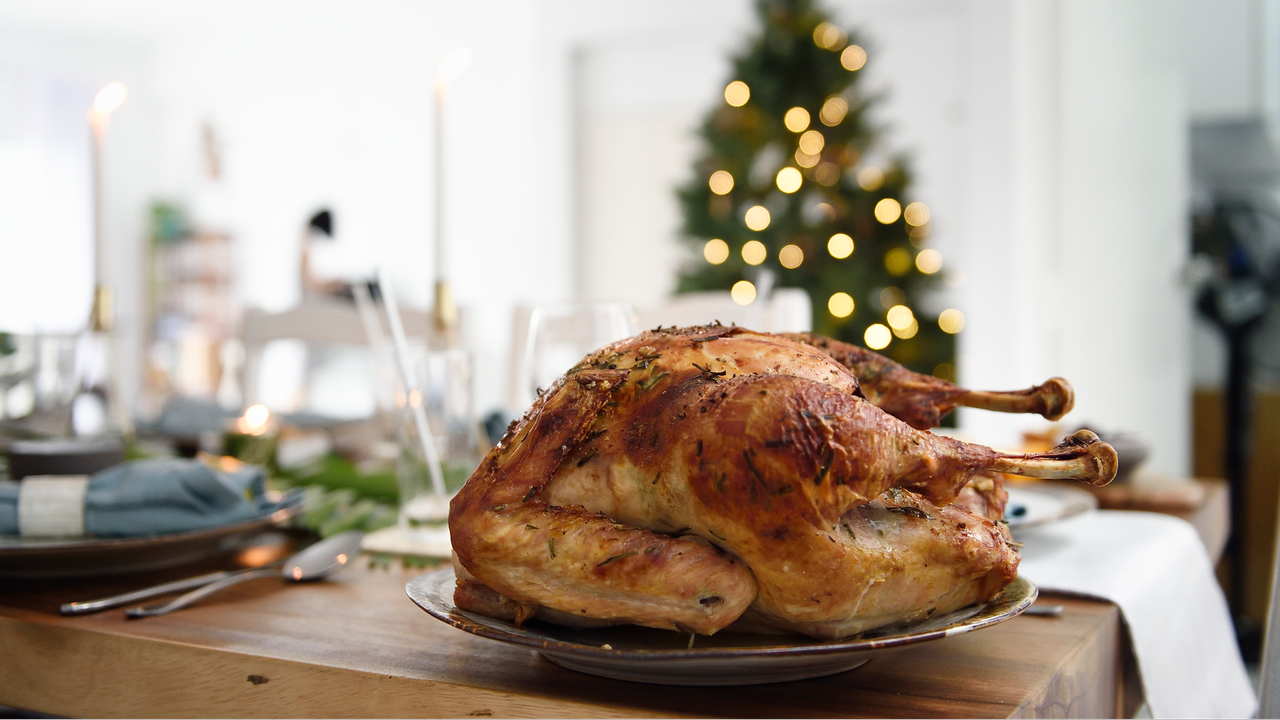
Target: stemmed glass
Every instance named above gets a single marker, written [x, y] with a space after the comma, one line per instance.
[561, 335]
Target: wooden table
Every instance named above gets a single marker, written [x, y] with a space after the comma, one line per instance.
[356, 646]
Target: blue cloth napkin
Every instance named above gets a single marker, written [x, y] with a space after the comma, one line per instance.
[159, 496]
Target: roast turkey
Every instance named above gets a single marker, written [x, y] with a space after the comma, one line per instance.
[693, 478]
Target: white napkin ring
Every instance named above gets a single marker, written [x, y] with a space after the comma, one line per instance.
[52, 505]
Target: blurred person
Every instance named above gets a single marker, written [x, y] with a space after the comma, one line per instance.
[319, 229]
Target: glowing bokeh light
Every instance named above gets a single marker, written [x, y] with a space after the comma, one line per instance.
[716, 251]
[840, 305]
[757, 217]
[789, 180]
[812, 142]
[909, 331]
[891, 296]
[754, 252]
[827, 174]
[877, 337]
[870, 178]
[256, 416]
[737, 93]
[805, 160]
[929, 261]
[945, 371]
[897, 261]
[833, 111]
[828, 36]
[951, 321]
[791, 256]
[743, 292]
[853, 58]
[917, 213]
[840, 246]
[900, 316]
[721, 182]
[796, 119]
[888, 210]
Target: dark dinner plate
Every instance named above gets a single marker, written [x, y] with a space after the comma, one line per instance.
[87, 557]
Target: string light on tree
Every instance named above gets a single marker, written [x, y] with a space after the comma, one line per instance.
[929, 261]
[829, 37]
[833, 111]
[757, 217]
[951, 321]
[743, 292]
[888, 211]
[891, 296]
[737, 93]
[716, 251]
[897, 261]
[754, 252]
[796, 119]
[806, 160]
[840, 304]
[899, 317]
[916, 214]
[853, 58]
[870, 178]
[791, 256]
[877, 336]
[812, 142]
[721, 182]
[789, 180]
[840, 246]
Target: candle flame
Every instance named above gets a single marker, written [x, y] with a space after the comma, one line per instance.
[109, 98]
[453, 65]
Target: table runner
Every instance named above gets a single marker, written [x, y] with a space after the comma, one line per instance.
[1155, 568]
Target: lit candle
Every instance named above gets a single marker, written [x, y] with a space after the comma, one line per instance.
[453, 64]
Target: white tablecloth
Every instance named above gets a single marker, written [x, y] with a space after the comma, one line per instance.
[1155, 568]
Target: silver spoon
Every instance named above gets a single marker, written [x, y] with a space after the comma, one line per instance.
[318, 561]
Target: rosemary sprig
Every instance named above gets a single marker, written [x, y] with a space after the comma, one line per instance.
[616, 557]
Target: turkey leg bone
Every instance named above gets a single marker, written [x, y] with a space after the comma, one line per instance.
[922, 401]
[1081, 456]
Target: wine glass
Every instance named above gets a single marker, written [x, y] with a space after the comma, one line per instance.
[561, 335]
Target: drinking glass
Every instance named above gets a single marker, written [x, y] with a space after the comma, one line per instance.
[561, 335]
[444, 391]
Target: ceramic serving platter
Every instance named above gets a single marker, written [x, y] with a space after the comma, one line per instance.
[667, 658]
[89, 557]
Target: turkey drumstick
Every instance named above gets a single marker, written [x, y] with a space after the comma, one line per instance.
[923, 400]
[673, 479]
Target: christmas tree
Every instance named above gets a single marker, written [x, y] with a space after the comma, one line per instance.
[785, 194]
